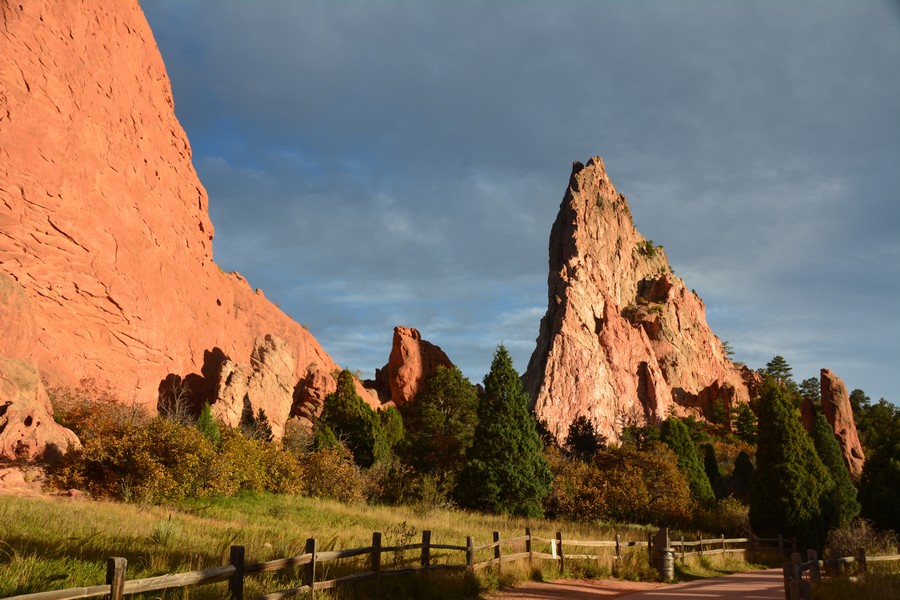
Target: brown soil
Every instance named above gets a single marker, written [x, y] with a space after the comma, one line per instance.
[574, 589]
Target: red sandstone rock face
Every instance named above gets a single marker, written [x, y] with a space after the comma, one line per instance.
[27, 428]
[836, 406]
[411, 361]
[105, 224]
[624, 341]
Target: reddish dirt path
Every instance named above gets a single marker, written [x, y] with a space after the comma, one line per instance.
[574, 589]
[756, 585]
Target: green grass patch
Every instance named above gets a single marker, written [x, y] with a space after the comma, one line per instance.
[56, 543]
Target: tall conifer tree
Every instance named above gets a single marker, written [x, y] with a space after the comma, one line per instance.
[789, 482]
[505, 470]
[676, 435]
[840, 505]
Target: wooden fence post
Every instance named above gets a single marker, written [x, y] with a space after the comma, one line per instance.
[528, 542]
[559, 548]
[861, 557]
[650, 547]
[796, 576]
[781, 544]
[752, 557]
[115, 576]
[496, 538]
[470, 553]
[682, 548]
[618, 558]
[813, 556]
[426, 550]
[376, 561]
[236, 582]
[700, 546]
[309, 570]
[723, 544]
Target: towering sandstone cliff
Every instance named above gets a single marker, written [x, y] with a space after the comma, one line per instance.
[104, 223]
[623, 341]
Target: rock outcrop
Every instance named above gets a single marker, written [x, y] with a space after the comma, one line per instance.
[105, 223]
[411, 361]
[266, 383]
[838, 412]
[623, 341]
[27, 428]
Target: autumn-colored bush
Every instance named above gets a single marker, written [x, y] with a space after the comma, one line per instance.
[331, 473]
[91, 409]
[156, 462]
[621, 484]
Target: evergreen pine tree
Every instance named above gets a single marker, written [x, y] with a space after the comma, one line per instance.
[790, 479]
[354, 422]
[440, 424]
[879, 486]
[840, 504]
[811, 389]
[208, 425]
[676, 435]
[582, 442]
[505, 470]
[742, 476]
[745, 423]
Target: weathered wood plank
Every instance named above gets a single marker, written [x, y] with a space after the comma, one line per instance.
[69, 594]
[177, 580]
[589, 544]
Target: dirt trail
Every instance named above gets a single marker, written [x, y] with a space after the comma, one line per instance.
[756, 585]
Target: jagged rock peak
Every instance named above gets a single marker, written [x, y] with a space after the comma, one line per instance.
[839, 413]
[623, 341]
[411, 361]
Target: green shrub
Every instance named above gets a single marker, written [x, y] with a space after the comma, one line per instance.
[208, 425]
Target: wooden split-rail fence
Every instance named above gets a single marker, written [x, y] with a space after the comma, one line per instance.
[799, 575]
[310, 563]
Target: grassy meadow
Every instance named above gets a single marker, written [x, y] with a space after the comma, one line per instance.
[54, 543]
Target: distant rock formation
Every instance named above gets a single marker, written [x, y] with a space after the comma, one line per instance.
[105, 223]
[623, 342]
[838, 412]
[411, 361]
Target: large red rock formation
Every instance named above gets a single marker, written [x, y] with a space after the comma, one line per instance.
[837, 409]
[104, 222]
[623, 341]
[27, 428]
[411, 361]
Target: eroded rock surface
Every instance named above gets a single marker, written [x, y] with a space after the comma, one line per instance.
[105, 223]
[411, 361]
[27, 428]
[266, 383]
[837, 409]
[623, 341]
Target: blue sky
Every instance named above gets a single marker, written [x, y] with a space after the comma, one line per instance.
[373, 164]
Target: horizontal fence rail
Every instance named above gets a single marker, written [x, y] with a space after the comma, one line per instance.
[498, 551]
[799, 575]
